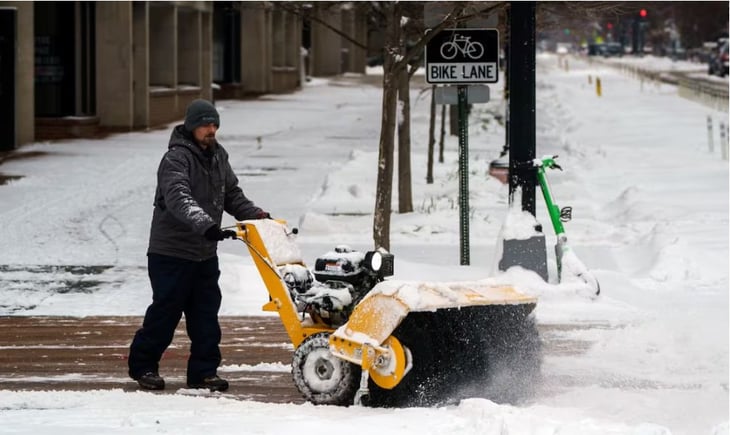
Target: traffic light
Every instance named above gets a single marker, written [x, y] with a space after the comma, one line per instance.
[642, 13]
[609, 26]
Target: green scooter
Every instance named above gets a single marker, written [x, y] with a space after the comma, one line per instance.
[568, 263]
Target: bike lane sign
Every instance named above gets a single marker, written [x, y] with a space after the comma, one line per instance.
[463, 56]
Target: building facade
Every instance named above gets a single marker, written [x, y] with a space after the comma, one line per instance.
[77, 69]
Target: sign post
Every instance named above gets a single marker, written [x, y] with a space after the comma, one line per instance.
[463, 177]
[462, 57]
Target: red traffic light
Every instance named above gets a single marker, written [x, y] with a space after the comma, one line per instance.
[642, 13]
[609, 26]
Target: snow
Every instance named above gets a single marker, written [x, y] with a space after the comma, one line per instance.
[280, 244]
[518, 224]
[429, 296]
[650, 220]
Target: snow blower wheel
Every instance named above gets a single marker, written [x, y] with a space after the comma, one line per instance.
[321, 377]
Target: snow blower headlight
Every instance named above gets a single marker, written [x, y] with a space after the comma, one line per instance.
[379, 262]
[375, 260]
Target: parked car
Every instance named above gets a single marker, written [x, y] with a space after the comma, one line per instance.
[613, 49]
[606, 50]
[718, 62]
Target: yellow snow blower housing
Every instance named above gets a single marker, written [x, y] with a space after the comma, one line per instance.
[361, 339]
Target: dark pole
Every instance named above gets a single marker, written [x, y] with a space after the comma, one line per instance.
[463, 175]
[505, 150]
[521, 72]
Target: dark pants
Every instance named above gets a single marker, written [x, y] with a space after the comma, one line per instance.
[180, 286]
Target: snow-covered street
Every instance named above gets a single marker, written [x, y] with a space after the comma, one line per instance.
[650, 219]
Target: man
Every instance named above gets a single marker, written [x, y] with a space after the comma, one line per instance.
[195, 185]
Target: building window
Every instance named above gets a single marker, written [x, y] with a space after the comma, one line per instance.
[87, 60]
[285, 50]
[226, 42]
[65, 73]
[279, 40]
[55, 82]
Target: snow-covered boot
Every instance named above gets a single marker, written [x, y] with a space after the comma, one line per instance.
[151, 381]
[212, 383]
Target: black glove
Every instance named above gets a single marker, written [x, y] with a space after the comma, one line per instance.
[215, 234]
[263, 215]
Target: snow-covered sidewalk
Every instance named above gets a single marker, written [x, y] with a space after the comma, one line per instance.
[650, 218]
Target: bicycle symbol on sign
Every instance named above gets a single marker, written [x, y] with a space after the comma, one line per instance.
[461, 44]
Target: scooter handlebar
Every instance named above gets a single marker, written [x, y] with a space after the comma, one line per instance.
[547, 162]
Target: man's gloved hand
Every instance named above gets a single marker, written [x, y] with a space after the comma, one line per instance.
[215, 234]
[263, 215]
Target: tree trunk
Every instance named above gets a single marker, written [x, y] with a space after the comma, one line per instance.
[384, 188]
[431, 136]
[443, 132]
[405, 196]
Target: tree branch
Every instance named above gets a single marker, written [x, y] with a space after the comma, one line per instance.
[306, 14]
[451, 19]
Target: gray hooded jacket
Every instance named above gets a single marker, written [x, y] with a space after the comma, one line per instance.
[194, 187]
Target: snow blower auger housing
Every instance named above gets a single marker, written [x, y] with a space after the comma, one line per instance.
[361, 339]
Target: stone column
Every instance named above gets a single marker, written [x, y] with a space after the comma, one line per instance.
[206, 55]
[140, 36]
[114, 65]
[24, 73]
[256, 58]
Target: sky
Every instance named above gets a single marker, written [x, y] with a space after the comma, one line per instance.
[650, 221]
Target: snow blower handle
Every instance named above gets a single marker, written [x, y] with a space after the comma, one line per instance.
[240, 229]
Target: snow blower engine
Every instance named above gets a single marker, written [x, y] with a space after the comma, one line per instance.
[341, 279]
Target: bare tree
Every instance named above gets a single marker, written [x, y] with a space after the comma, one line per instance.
[391, 67]
[431, 136]
[396, 59]
[405, 194]
[398, 18]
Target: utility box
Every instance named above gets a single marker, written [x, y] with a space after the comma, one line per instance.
[521, 242]
[8, 38]
[529, 254]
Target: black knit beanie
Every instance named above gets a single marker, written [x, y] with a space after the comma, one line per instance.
[201, 112]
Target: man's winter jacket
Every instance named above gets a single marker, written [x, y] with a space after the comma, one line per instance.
[194, 188]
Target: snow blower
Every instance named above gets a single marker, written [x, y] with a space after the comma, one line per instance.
[362, 339]
[567, 262]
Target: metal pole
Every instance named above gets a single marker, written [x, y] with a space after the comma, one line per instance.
[528, 253]
[521, 70]
[463, 175]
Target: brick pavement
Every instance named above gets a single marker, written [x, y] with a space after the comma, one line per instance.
[65, 353]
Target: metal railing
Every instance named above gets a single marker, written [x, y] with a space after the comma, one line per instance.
[709, 94]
